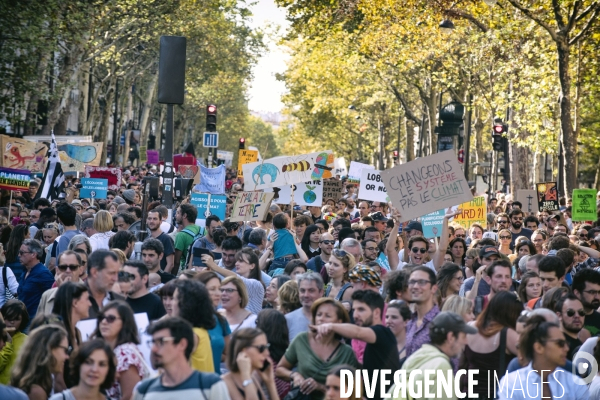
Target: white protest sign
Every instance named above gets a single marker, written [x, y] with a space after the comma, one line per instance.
[251, 206]
[529, 200]
[339, 167]
[305, 194]
[371, 186]
[355, 170]
[287, 170]
[427, 184]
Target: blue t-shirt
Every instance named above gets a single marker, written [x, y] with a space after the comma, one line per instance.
[285, 244]
[217, 341]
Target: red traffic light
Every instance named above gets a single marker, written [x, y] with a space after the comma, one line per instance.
[242, 140]
[395, 153]
[211, 109]
[499, 129]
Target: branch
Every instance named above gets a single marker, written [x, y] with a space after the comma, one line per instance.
[573, 16]
[538, 21]
[588, 10]
[407, 111]
[461, 14]
[560, 22]
[586, 27]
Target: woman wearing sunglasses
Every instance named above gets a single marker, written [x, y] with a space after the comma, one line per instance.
[505, 237]
[338, 269]
[116, 325]
[250, 366]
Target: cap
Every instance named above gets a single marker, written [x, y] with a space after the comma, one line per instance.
[364, 273]
[554, 216]
[448, 321]
[490, 235]
[126, 172]
[414, 225]
[76, 202]
[378, 217]
[487, 251]
[129, 194]
[118, 200]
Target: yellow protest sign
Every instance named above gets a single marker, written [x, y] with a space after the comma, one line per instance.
[473, 212]
[246, 157]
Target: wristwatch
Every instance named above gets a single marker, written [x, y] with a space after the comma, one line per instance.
[247, 382]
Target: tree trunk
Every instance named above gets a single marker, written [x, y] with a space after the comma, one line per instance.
[147, 112]
[61, 125]
[104, 125]
[478, 126]
[568, 136]
[410, 140]
[432, 109]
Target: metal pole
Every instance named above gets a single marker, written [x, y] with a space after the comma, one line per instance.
[113, 155]
[468, 137]
[167, 197]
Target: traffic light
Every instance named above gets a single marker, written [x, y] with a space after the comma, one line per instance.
[151, 142]
[497, 133]
[211, 118]
[395, 155]
[242, 143]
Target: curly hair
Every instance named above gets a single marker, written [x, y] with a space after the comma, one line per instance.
[289, 299]
[192, 296]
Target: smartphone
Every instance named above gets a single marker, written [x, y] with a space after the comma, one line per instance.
[198, 252]
[265, 366]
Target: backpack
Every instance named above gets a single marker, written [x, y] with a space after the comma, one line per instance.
[195, 237]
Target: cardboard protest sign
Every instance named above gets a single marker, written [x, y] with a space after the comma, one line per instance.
[528, 199]
[246, 157]
[287, 170]
[251, 206]
[355, 171]
[152, 156]
[212, 180]
[218, 205]
[547, 196]
[473, 212]
[74, 157]
[143, 154]
[23, 154]
[93, 188]
[432, 223]
[14, 179]
[427, 184]
[113, 175]
[339, 167]
[332, 190]
[305, 194]
[372, 187]
[584, 205]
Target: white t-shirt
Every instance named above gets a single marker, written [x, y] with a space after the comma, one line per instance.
[13, 285]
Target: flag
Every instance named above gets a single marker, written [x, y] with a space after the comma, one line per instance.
[54, 179]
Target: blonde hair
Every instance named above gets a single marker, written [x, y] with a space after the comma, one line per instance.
[458, 304]
[120, 255]
[241, 288]
[289, 298]
[103, 221]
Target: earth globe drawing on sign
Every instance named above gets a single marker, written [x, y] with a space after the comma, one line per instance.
[310, 196]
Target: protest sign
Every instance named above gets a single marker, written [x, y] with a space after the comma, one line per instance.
[473, 212]
[339, 167]
[584, 205]
[332, 190]
[218, 205]
[432, 223]
[93, 188]
[212, 180]
[427, 184]
[547, 196]
[152, 156]
[180, 159]
[246, 157]
[251, 206]
[113, 175]
[528, 199]
[371, 186]
[14, 179]
[305, 194]
[355, 171]
[287, 170]
[23, 154]
[74, 157]
[143, 154]
[226, 156]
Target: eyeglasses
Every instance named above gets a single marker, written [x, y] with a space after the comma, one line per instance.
[504, 221]
[371, 248]
[327, 241]
[72, 267]
[228, 290]
[592, 292]
[418, 282]
[160, 342]
[24, 252]
[262, 347]
[460, 236]
[109, 318]
[66, 349]
[571, 313]
[559, 342]
[505, 237]
[422, 250]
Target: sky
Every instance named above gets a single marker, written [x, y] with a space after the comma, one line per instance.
[265, 92]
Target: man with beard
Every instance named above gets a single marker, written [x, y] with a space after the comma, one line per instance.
[172, 346]
[153, 222]
[152, 255]
[381, 352]
[370, 250]
[326, 243]
[586, 286]
[139, 297]
[498, 276]
[186, 217]
[516, 227]
[422, 288]
[571, 314]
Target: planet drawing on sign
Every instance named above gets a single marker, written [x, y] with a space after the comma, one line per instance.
[309, 195]
[84, 154]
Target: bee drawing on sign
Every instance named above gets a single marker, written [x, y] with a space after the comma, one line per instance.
[296, 165]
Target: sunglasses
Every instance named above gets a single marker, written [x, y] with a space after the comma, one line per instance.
[461, 236]
[559, 342]
[327, 241]
[64, 267]
[571, 313]
[340, 253]
[262, 347]
[126, 275]
[418, 249]
[504, 221]
[109, 318]
[505, 237]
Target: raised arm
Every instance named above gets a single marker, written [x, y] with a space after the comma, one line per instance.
[213, 266]
[349, 331]
[390, 247]
[438, 257]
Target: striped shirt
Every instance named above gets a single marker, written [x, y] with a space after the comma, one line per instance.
[198, 386]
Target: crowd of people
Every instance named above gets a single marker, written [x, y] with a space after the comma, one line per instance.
[279, 308]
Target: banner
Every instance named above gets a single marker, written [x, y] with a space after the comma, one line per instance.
[218, 205]
[246, 157]
[473, 212]
[74, 157]
[371, 186]
[355, 171]
[547, 196]
[152, 156]
[113, 175]
[143, 155]
[212, 180]
[23, 154]
[339, 167]
[305, 194]
[93, 188]
[528, 199]
[332, 190]
[584, 205]
[427, 184]
[251, 206]
[432, 223]
[14, 179]
[287, 170]
[179, 159]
